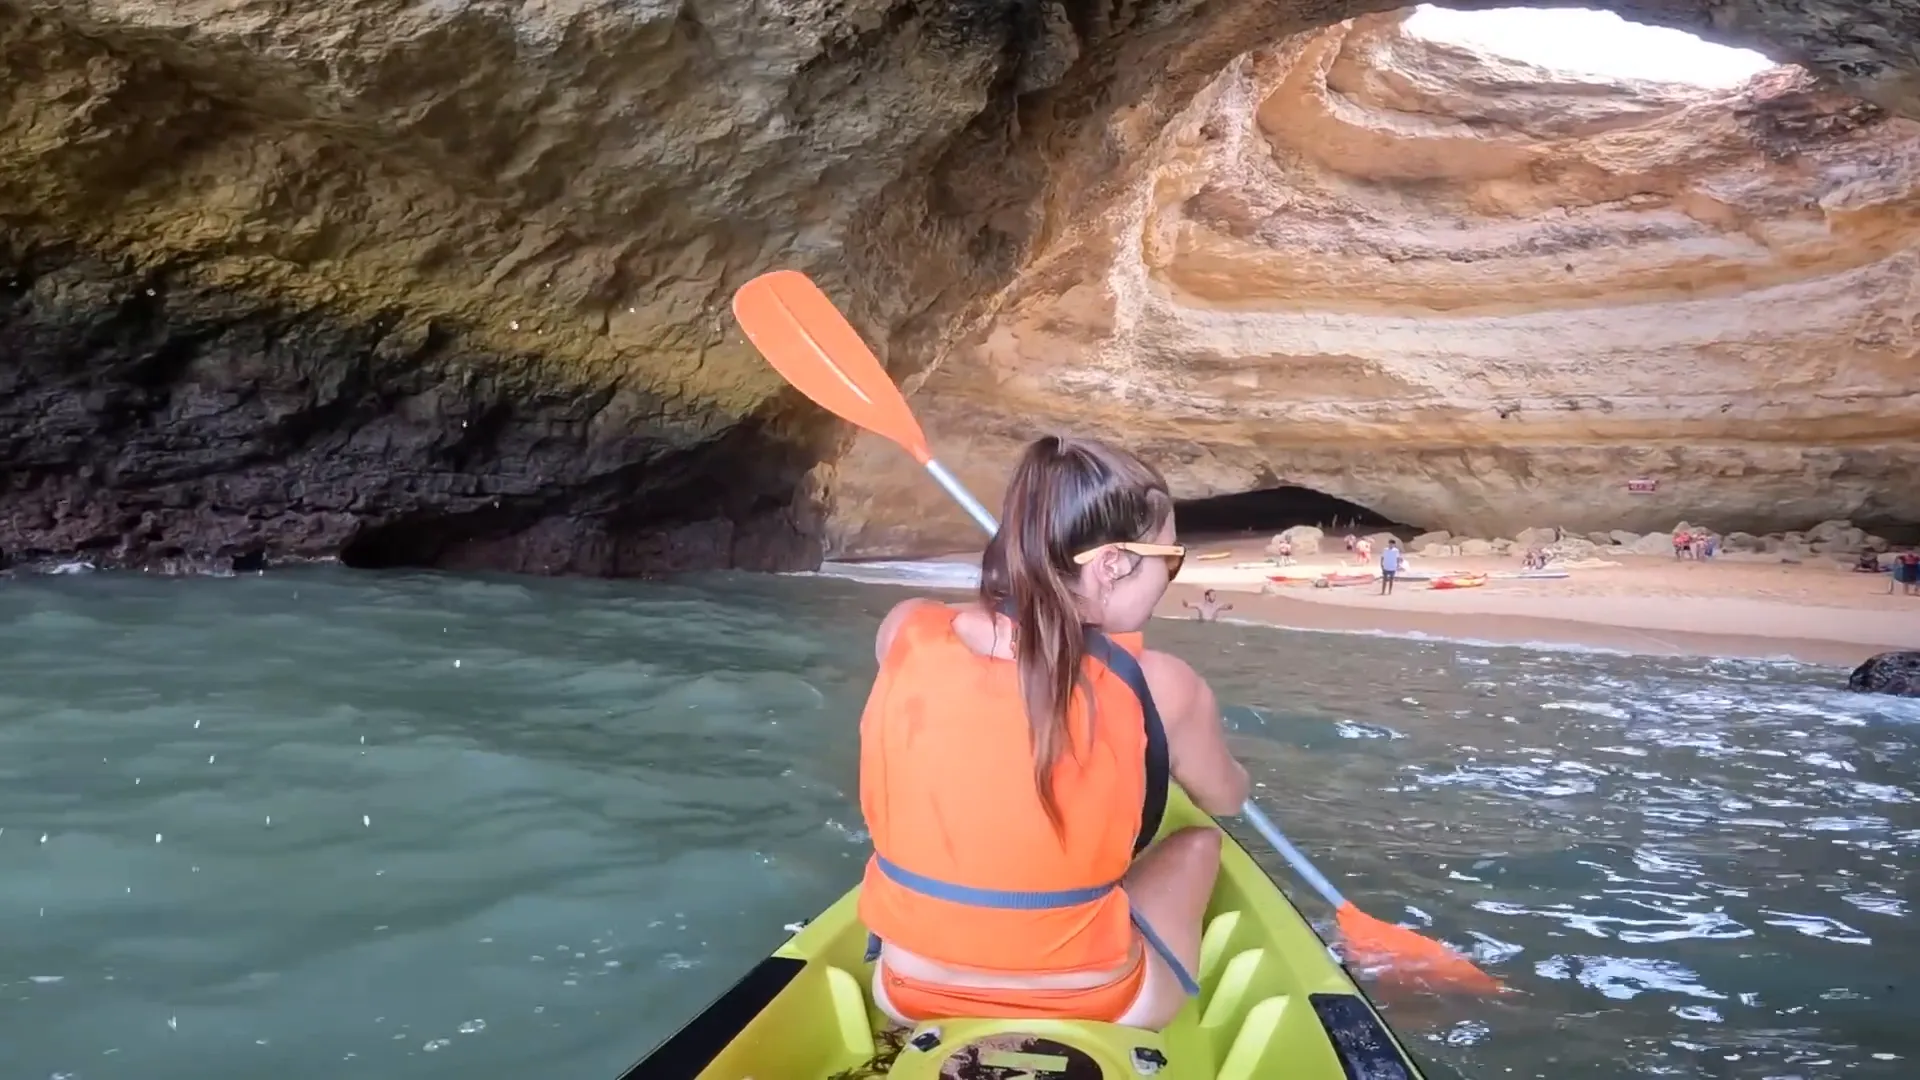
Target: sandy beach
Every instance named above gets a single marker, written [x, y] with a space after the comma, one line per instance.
[1817, 611]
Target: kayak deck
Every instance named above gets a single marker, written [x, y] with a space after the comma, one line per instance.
[1274, 1002]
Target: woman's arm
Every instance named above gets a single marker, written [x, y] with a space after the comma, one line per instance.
[1196, 740]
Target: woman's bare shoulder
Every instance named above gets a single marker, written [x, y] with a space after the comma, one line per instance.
[1176, 686]
[896, 618]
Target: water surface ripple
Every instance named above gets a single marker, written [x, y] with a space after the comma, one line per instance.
[322, 824]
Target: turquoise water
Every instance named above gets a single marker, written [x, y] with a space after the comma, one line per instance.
[326, 824]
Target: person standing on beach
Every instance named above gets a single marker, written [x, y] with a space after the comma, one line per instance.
[1389, 566]
[1906, 569]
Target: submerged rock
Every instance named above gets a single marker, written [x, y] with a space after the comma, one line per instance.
[1896, 673]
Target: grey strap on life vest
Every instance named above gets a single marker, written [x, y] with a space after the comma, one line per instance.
[1012, 900]
[1153, 806]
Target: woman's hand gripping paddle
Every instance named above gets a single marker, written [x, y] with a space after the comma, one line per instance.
[812, 345]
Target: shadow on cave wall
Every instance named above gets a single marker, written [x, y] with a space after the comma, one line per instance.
[1272, 510]
[148, 420]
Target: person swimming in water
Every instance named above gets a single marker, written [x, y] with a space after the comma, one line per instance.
[1209, 607]
[1014, 757]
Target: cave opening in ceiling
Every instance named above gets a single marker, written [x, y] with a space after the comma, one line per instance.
[1582, 41]
[1275, 509]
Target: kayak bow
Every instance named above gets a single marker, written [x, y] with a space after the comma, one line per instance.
[1274, 1002]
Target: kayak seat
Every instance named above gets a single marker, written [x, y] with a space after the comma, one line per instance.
[1232, 1026]
[1036, 1049]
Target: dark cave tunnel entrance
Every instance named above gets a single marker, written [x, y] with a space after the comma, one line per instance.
[1266, 511]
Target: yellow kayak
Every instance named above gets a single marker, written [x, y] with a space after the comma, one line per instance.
[1274, 1002]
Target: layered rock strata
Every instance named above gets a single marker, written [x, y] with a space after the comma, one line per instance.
[445, 284]
[1468, 294]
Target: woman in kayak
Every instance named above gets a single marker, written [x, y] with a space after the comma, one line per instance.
[1014, 760]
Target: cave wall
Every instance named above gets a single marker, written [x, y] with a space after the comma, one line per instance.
[264, 263]
[1467, 293]
[261, 263]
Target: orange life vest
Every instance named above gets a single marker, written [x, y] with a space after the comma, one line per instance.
[946, 785]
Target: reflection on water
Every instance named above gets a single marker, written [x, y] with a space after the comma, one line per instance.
[320, 824]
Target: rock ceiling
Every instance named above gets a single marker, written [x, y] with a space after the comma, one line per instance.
[1468, 295]
[445, 284]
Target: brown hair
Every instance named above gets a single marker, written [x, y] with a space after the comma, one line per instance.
[1066, 496]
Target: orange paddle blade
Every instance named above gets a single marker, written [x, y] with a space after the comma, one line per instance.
[1403, 955]
[808, 341]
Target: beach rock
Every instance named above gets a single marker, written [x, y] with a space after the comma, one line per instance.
[1379, 540]
[1306, 540]
[447, 283]
[1436, 551]
[1836, 536]
[1623, 538]
[1874, 543]
[1536, 537]
[1503, 546]
[1654, 543]
[1475, 547]
[1742, 542]
[1600, 539]
[1895, 673]
[1441, 537]
[1574, 547]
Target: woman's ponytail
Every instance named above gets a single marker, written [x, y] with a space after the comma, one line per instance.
[1064, 496]
[1051, 646]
